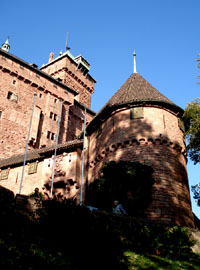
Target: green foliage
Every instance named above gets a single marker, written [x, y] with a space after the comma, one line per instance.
[192, 122]
[126, 181]
[67, 236]
[196, 190]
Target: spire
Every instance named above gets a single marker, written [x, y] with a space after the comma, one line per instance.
[5, 46]
[134, 64]
[67, 48]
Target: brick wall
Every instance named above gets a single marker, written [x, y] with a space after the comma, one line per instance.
[18, 83]
[66, 177]
[67, 70]
[154, 140]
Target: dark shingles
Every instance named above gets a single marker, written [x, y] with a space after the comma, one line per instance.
[136, 88]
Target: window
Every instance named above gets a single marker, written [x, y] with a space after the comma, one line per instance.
[4, 174]
[32, 168]
[12, 97]
[181, 124]
[40, 95]
[48, 134]
[9, 95]
[0, 114]
[136, 112]
[53, 116]
[55, 100]
[52, 136]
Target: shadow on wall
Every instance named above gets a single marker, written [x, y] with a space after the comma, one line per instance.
[75, 124]
[170, 192]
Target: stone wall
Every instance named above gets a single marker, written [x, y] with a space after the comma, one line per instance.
[155, 140]
[38, 173]
[18, 83]
[67, 70]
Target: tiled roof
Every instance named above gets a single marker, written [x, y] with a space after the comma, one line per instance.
[136, 88]
[136, 91]
[39, 153]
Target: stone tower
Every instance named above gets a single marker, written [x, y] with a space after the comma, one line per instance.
[140, 124]
[74, 72]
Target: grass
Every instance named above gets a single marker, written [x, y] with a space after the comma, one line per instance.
[136, 261]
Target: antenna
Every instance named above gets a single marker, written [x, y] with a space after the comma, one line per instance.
[134, 64]
[66, 46]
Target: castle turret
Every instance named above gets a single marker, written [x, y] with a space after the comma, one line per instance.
[5, 46]
[140, 124]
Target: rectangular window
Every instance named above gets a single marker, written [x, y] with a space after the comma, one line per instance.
[0, 114]
[51, 115]
[181, 124]
[48, 134]
[32, 168]
[55, 117]
[52, 136]
[4, 174]
[136, 112]
[9, 95]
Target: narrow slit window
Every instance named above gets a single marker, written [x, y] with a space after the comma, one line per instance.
[52, 136]
[48, 134]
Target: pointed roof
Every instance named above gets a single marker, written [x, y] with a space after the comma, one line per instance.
[136, 91]
[5, 46]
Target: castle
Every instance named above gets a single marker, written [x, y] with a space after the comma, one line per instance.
[138, 123]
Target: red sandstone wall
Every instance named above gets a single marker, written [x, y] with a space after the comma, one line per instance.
[155, 140]
[74, 78]
[67, 168]
[15, 114]
[76, 121]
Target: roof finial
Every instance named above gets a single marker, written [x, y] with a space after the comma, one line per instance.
[66, 46]
[134, 64]
[5, 46]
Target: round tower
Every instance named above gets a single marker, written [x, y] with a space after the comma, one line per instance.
[140, 124]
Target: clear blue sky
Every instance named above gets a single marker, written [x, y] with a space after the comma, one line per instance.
[164, 33]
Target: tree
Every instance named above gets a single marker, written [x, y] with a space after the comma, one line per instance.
[192, 124]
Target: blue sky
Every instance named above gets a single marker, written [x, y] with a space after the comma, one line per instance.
[164, 33]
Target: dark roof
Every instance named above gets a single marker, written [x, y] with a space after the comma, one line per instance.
[136, 88]
[136, 91]
[39, 154]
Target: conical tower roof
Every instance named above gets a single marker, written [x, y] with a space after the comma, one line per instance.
[136, 91]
